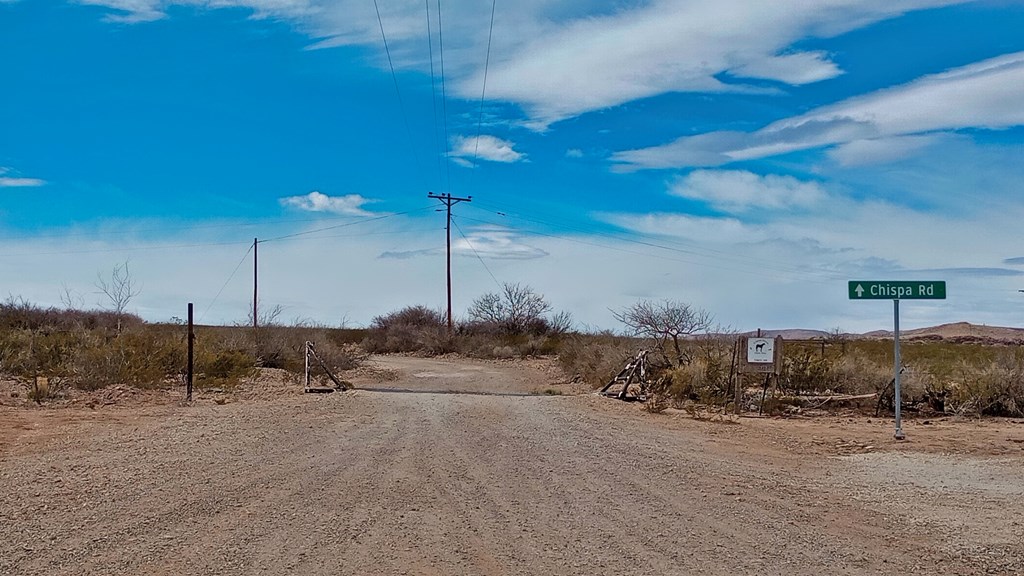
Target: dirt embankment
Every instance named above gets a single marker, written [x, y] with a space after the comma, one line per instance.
[411, 478]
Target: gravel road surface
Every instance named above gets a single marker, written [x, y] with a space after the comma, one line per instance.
[409, 478]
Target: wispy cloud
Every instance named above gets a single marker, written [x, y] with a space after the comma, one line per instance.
[981, 95]
[487, 242]
[562, 58]
[713, 230]
[130, 11]
[486, 147]
[347, 205]
[740, 191]
[600, 61]
[973, 272]
[7, 182]
[497, 243]
[135, 11]
[964, 243]
[881, 150]
[17, 181]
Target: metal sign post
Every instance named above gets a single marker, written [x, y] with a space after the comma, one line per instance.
[897, 396]
[897, 290]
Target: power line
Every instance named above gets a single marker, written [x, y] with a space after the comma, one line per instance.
[398, 92]
[228, 281]
[473, 248]
[483, 90]
[444, 97]
[433, 94]
[345, 225]
[157, 247]
[127, 249]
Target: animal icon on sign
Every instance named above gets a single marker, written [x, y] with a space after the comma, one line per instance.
[759, 347]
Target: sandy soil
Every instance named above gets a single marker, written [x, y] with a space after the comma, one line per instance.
[509, 478]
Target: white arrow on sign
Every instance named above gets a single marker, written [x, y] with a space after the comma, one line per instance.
[859, 290]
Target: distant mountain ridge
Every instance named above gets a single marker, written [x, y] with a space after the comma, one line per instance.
[956, 331]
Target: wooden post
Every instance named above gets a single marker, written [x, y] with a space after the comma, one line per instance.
[191, 357]
[733, 374]
[306, 384]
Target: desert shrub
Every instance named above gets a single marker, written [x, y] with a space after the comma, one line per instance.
[223, 368]
[517, 309]
[475, 343]
[278, 347]
[137, 357]
[993, 390]
[857, 373]
[804, 371]
[411, 329]
[16, 313]
[595, 358]
[704, 380]
[86, 350]
[284, 347]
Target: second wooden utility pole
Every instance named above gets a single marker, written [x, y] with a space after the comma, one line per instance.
[255, 277]
[448, 200]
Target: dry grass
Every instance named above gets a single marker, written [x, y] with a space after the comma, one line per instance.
[85, 350]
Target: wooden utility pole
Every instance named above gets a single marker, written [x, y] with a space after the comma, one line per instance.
[255, 277]
[448, 200]
[191, 357]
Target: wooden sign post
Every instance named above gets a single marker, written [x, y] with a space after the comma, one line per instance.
[759, 355]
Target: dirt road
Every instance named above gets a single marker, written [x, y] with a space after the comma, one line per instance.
[421, 482]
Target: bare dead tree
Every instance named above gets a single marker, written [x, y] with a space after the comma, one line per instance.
[119, 290]
[70, 299]
[515, 310]
[268, 316]
[664, 321]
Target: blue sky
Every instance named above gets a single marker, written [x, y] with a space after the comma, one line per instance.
[746, 157]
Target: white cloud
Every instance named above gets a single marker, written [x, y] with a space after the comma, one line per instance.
[705, 229]
[486, 148]
[497, 243]
[590, 63]
[981, 95]
[18, 182]
[801, 264]
[487, 242]
[130, 11]
[6, 182]
[347, 205]
[749, 275]
[740, 191]
[574, 153]
[798, 68]
[562, 58]
[880, 150]
[135, 11]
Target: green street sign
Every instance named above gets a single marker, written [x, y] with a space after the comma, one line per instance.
[897, 290]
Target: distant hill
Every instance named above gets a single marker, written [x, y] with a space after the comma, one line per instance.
[793, 334]
[956, 332]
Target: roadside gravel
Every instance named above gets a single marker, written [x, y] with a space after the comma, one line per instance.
[420, 482]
